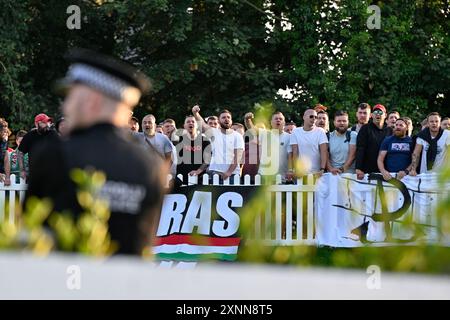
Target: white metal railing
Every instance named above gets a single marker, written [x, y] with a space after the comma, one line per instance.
[287, 220]
[10, 199]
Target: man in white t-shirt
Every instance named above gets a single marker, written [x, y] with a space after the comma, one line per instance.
[227, 145]
[310, 144]
[274, 145]
[433, 142]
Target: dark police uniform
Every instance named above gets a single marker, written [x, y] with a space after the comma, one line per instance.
[132, 188]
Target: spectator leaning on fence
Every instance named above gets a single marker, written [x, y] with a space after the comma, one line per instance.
[431, 146]
[362, 116]
[395, 152]
[11, 160]
[369, 140]
[310, 144]
[342, 146]
[101, 92]
[193, 151]
[227, 145]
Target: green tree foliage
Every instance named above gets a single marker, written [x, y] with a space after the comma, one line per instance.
[339, 62]
[234, 53]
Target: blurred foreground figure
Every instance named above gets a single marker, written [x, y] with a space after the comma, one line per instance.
[100, 94]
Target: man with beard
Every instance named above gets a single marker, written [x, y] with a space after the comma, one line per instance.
[369, 141]
[362, 116]
[323, 121]
[395, 152]
[310, 144]
[134, 124]
[34, 138]
[227, 145]
[193, 151]
[342, 144]
[433, 143]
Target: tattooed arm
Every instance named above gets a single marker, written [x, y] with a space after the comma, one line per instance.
[415, 159]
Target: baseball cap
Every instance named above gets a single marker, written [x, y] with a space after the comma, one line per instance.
[319, 107]
[42, 117]
[379, 107]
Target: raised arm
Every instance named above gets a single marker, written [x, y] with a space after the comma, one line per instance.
[248, 120]
[199, 119]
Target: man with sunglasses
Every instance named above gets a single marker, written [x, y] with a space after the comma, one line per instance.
[369, 140]
[310, 144]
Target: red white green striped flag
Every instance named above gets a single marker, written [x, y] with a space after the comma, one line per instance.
[196, 248]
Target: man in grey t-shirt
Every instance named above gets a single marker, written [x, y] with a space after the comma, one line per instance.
[342, 146]
[155, 141]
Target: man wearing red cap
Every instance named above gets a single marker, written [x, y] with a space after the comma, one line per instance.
[34, 138]
[369, 140]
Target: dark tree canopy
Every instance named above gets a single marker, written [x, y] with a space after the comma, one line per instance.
[231, 54]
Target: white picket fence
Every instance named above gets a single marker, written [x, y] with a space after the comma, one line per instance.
[10, 199]
[288, 220]
[289, 215]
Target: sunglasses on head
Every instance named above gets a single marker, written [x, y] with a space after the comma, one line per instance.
[313, 117]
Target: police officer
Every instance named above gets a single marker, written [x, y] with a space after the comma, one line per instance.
[100, 95]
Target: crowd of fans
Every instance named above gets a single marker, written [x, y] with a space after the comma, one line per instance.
[381, 141]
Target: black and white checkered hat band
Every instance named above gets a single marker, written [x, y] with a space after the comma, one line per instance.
[99, 80]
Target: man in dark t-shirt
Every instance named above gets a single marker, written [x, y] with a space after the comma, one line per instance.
[193, 151]
[42, 133]
[395, 152]
[369, 140]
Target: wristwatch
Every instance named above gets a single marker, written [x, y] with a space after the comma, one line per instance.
[322, 169]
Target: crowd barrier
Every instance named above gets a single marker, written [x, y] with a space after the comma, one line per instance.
[291, 210]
